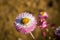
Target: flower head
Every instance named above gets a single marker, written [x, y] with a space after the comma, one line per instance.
[25, 22]
[57, 31]
[43, 15]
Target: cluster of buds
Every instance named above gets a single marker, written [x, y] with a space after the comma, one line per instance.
[42, 19]
[43, 24]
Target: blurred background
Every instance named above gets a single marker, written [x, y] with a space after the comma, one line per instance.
[9, 9]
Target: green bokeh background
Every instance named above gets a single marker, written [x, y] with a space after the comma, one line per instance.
[9, 9]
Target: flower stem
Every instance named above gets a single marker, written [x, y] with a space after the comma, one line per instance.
[32, 35]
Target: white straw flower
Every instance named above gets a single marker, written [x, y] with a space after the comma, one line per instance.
[25, 22]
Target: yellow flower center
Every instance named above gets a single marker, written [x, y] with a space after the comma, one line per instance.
[42, 13]
[25, 20]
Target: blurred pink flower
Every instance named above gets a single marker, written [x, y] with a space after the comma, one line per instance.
[43, 24]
